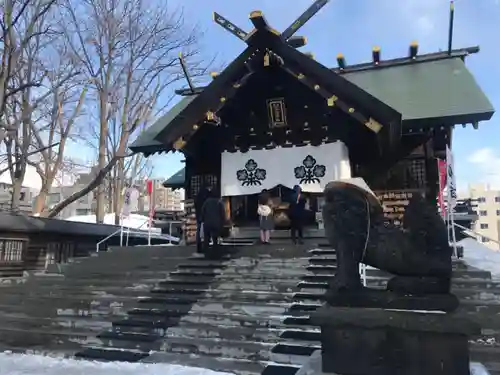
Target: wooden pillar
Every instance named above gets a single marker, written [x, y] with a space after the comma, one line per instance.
[227, 208]
[431, 173]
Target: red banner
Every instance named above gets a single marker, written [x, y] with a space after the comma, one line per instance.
[442, 185]
[149, 185]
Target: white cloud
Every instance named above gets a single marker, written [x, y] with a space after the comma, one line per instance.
[488, 163]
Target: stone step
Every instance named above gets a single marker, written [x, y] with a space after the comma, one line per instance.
[48, 310]
[202, 286]
[266, 318]
[478, 353]
[230, 365]
[47, 325]
[480, 284]
[211, 306]
[461, 293]
[325, 273]
[486, 320]
[109, 274]
[45, 340]
[186, 333]
[323, 252]
[111, 354]
[81, 270]
[225, 332]
[143, 342]
[242, 299]
[51, 304]
[202, 265]
[97, 283]
[280, 369]
[61, 290]
[80, 323]
[256, 351]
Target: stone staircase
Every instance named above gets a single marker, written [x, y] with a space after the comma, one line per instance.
[247, 313]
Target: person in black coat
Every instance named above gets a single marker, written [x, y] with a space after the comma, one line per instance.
[213, 216]
[199, 201]
[296, 214]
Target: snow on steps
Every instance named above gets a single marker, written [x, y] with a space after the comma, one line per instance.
[246, 314]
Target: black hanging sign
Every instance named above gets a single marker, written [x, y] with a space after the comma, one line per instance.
[251, 175]
[277, 112]
[310, 171]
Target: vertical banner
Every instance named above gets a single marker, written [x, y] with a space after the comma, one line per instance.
[149, 185]
[129, 195]
[452, 196]
[450, 179]
[442, 185]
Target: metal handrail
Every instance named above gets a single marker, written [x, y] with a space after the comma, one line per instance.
[128, 232]
[169, 230]
[475, 233]
[107, 238]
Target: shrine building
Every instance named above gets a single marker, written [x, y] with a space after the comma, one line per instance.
[276, 117]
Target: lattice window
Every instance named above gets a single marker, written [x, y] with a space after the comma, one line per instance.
[12, 251]
[198, 180]
[406, 174]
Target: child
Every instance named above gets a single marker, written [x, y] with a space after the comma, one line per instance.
[265, 217]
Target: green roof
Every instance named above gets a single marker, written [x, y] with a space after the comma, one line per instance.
[434, 89]
[146, 142]
[443, 90]
[176, 180]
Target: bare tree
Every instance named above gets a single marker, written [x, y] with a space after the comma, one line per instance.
[23, 81]
[21, 22]
[58, 129]
[129, 50]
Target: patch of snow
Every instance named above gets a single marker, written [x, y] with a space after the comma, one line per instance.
[478, 369]
[24, 364]
[132, 221]
[480, 256]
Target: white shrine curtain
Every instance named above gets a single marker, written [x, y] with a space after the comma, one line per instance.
[311, 167]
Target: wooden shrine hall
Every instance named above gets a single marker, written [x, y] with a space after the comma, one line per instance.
[275, 117]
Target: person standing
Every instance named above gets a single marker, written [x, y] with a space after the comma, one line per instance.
[266, 220]
[200, 199]
[296, 213]
[213, 216]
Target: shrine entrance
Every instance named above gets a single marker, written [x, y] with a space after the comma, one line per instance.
[244, 208]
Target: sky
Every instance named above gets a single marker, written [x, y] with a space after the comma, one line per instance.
[353, 27]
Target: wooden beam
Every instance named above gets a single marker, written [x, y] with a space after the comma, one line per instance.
[348, 91]
[258, 20]
[333, 101]
[304, 17]
[229, 26]
[186, 73]
[188, 92]
[297, 41]
[209, 98]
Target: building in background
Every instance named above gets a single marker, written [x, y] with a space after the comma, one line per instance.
[82, 206]
[28, 195]
[488, 210]
[163, 198]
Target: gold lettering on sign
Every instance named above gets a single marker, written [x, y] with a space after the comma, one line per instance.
[394, 203]
[277, 112]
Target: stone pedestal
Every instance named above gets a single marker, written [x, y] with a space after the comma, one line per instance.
[361, 341]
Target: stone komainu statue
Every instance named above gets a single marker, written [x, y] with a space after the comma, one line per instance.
[418, 254]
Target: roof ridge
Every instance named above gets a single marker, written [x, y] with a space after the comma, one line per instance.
[398, 61]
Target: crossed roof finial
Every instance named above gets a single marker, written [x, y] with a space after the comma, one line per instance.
[258, 20]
